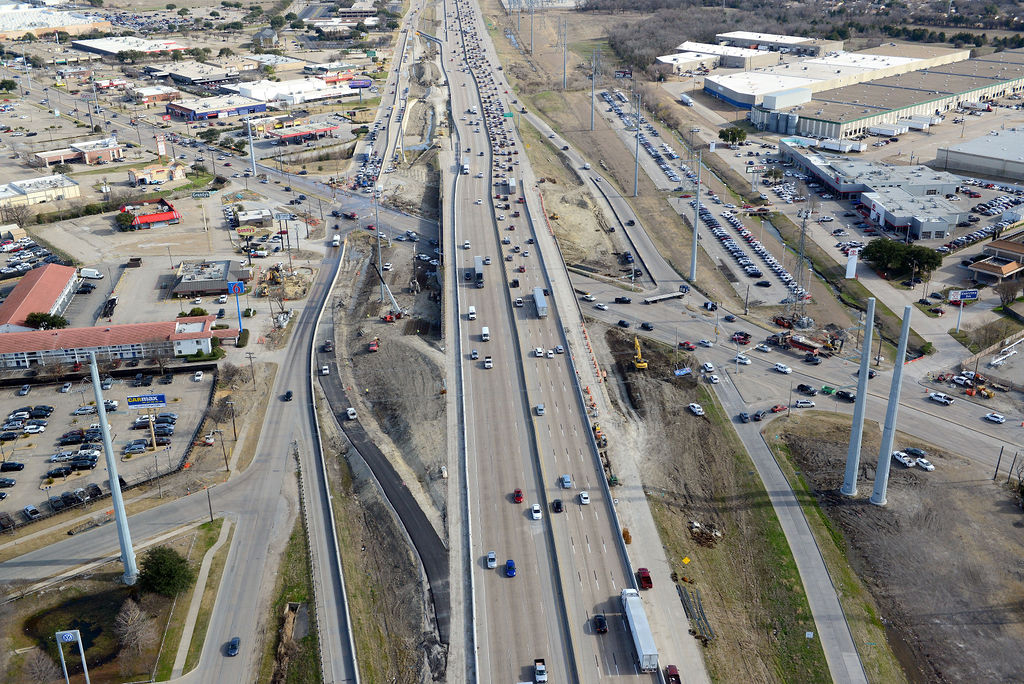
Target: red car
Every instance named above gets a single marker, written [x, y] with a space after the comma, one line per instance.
[517, 496]
[371, 227]
[778, 408]
[688, 346]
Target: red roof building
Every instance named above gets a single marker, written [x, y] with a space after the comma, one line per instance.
[180, 337]
[151, 213]
[48, 289]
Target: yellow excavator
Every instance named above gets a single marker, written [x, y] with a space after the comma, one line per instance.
[638, 358]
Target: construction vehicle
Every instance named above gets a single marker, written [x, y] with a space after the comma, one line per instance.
[783, 321]
[375, 344]
[388, 318]
[638, 358]
[788, 339]
[553, 217]
[599, 437]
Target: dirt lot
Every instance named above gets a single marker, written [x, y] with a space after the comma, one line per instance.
[696, 470]
[942, 559]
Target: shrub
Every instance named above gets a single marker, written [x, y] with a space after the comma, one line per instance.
[243, 338]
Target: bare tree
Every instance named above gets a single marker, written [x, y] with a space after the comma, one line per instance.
[1008, 290]
[134, 629]
[17, 214]
[40, 668]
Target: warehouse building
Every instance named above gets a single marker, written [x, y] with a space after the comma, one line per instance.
[112, 46]
[917, 97]
[1000, 154]
[732, 57]
[38, 190]
[181, 337]
[219, 107]
[683, 62]
[797, 45]
[17, 20]
[828, 72]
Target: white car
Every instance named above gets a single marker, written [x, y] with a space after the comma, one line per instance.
[518, 301]
[696, 409]
[465, 245]
[763, 347]
[940, 398]
[551, 353]
[479, 201]
[713, 379]
[34, 429]
[492, 560]
[783, 368]
[535, 512]
[584, 498]
[745, 360]
[602, 307]
[198, 376]
[351, 413]
[995, 417]
[538, 352]
[589, 298]
[708, 367]
[908, 461]
[706, 343]
[925, 464]
[387, 266]
[803, 403]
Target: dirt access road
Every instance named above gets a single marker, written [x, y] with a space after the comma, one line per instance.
[942, 559]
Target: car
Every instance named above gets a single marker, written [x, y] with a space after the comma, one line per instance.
[25, 389]
[742, 359]
[584, 498]
[11, 466]
[687, 345]
[761, 415]
[474, 355]
[807, 389]
[517, 496]
[803, 403]
[551, 353]
[288, 395]
[707, 367]
[61, 471]
[646, 326]
[763, 347]
[706, 343]
[729, 318]
[623, 323]
[904, 458]
[940, 398]
[744, 417]
[696, 409]
[556, 506]
[915, 452]
[783, 368]
[600, 624]
[7, 482]
[995, 417]
[232, 647]
[589, 298]
[778, 408]
[197, 376]
[65, 388]
[925, 464]
[540, 409]
[492, 560]
[871, 373]
[535, 512]
[846, 395]
[34, 429]
[510, 568]
[812, 359]
[623, 300]
[601, 307]
[713, 379]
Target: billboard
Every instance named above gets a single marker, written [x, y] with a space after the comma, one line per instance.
[360, 83]
[146, 401]
[623, 73]
[245, 230]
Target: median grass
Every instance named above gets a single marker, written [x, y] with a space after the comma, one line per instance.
[195, 649]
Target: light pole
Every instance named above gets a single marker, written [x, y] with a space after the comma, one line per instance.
[234, 430]
[223, 451]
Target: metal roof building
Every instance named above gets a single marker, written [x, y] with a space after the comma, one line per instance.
[1000, 154]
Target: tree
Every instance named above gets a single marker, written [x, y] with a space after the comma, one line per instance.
[171, 6]
[40, 320]
[8, 85]
[134, 629]
[165, 571]
[40, 668]
[298, 25]
[1008, 290]
[61, 168]
[732, 135]
[276, 21]
[124, 220]
[225, 52]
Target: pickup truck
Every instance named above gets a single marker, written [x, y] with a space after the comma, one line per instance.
[540, 671]
[672, 675]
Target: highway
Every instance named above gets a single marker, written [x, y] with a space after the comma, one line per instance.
[569, 564]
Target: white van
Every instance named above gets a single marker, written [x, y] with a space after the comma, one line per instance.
[485, 334]
[472, 313]
[91, 273]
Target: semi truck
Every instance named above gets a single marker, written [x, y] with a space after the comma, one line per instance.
[478, 271]
[643, 640]
[541, 302]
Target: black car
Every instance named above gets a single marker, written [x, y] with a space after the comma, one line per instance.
[288, 395]
[8, 436]
[70, 499]
[514, 282]
[812, 359]
[807, 389]
[846, 395]
[744, 417]
[62, 471]
[7, 482]
[871, 373]
[623, 300]
[761, 415]
[556, 506]
[729, 318]
[165, 420]
[56, 503]
[10, 466]
[647, 326]
[167, 379]
[93, 491]
[221, 313]
[600, 624]
[622, 324]
[232, 647]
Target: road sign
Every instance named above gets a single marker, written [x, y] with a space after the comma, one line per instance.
[201, 194]
[509, 115]
[962, 295]
[147, 401]
[282, 217]
[236, 287]
[757, 168]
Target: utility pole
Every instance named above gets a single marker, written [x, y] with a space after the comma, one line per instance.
[565, 44]
[696, 222]
[252, 369]
[252, 154]
[593, 88]
[531, 29]
[636, 162]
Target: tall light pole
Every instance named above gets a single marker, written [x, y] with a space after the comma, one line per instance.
[696, 222]
[636, 161]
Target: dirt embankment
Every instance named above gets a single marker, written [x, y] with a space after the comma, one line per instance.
[695, 469]
[942, 558]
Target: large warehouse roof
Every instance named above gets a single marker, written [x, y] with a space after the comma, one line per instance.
[1005, 145]
[709, 48]
[112, 46]
[763, 37]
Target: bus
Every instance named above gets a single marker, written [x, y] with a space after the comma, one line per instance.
[478, 271]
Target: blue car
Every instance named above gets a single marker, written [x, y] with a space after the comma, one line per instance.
[510, 568]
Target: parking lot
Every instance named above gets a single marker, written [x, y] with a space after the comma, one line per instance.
[45, 437]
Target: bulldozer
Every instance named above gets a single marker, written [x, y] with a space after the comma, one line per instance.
[639, 362]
